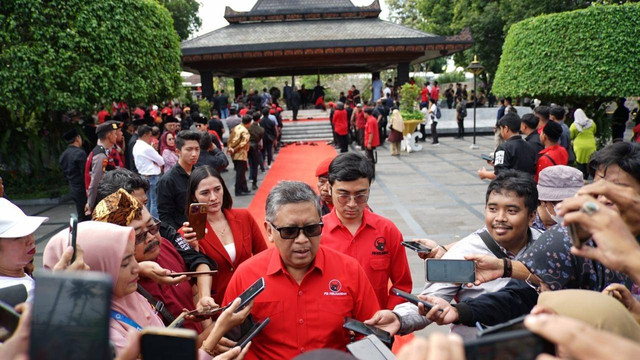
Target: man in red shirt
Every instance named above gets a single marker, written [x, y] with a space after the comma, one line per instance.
[542, 113]
[553, 153]
[322, 173]
[371, 135]
[435, 91]
[309, 288]
[341, 127]
[424, 95]
[352, 229]
[360, 120]
[102, 114]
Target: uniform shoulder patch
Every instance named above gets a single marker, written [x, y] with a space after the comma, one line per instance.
[499, 158]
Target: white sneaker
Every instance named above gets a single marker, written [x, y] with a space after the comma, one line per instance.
[436, 144]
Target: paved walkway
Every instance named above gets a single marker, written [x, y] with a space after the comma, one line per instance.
[433, 193]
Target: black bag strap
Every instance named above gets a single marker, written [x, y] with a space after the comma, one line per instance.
[157, 304]
[550, 158]
[491, 244]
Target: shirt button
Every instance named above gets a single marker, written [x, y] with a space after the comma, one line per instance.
[231, 269]
[300, 292]
[300, 321]
[302, 350]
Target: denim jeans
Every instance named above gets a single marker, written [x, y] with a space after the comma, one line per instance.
[152, 194]
[224, 113]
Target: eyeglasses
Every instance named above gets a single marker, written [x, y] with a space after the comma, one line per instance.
[153, 229]
[344, 199]
[292, 232]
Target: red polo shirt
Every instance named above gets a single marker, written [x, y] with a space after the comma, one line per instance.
[557, 152]
[361, 120]
[306, 316]
[372, 128]
[376, 246]
[340, 122]
[424, 94]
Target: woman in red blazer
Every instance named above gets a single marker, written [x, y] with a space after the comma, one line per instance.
[232, 235]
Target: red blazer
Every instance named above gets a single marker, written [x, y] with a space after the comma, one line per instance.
[248, 239]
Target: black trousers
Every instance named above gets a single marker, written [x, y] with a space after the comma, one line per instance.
[343, 142]
[267, 150]
[79, 197]
[241, 178]
[254, 161]
[295, 113]
[423, 132]
[361, 137]
[434, 132]
[460, 128]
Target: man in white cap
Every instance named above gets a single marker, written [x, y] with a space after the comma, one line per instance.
[17, 245]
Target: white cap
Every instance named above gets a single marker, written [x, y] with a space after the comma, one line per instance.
[155, 107]
[14, 223]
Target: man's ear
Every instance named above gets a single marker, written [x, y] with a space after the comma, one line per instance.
[532, 216]
[269, 229]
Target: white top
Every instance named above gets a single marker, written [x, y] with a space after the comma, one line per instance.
[387, 92]
[27, 281]
[231, 250]
[147, 159]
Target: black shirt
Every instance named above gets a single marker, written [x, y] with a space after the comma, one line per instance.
[172, 196]
[214, 158]
[269, 129]
[215, 124]
[72, 162]
[515, 153]
[533, 140]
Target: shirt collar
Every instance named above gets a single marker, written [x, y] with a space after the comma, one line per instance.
[511, 255]
[331, 220]
[276, 265]
[515, 137]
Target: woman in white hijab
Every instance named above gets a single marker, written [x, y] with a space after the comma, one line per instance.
[395, 135]
[583, 136]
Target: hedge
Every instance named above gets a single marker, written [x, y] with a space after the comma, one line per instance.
[574, 56]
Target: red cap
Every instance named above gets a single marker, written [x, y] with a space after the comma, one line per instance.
[323, 168]
[272, 111]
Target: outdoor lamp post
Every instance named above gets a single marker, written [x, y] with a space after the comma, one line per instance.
[476, 69]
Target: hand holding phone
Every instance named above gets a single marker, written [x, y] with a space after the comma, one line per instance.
[198, 218]
[73, 235]
[416, 246]
[193, 273]
[255, 330]
[9, 319]
[413, 299]
[364, 329]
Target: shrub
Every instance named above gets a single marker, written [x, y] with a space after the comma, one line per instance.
[409, 97]
[452, 77]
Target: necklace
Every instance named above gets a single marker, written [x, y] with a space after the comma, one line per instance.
[221, 233]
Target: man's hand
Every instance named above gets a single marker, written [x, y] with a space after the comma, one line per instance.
[234, 354]
[437, 251]
[488, 268]
[385, 320]
[230, 319]
[448, 315]
[623, 295]
[577, 340]
[87, 211]
[153, 271]
[206, 302]
[437, 347]
[17, 346]
[368, 146]
[190, 235]
[484, 173]
[77, 265]
[625, 198]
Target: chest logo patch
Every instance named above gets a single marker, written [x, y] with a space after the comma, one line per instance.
[335, 285]
[380, 243]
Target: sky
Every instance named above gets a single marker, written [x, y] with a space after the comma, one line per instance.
[212, 12]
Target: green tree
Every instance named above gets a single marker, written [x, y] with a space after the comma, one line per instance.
[185, 16]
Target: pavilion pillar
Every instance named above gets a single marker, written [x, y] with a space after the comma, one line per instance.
[237, 86]
[403, 73]
[206, 79]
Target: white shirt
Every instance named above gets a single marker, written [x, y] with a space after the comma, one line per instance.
[387, 92]
[27, 281]
[147, 159]
[231, 250]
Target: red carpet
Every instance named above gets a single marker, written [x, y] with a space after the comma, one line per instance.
[303, 119]
[299, 163]
[294, 162]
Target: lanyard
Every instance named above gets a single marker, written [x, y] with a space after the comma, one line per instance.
[118, 316]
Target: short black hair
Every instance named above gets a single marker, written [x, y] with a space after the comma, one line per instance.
[265, 112]
[510, 121]
[256, 115]
[350, 166]
[247, 118]
[205, 141]
[530, 120]
[624, 154]
[185, 135]
[144, 130]
[197, 175]
[368, 110]
[517, 181]
[120, 179]
[508, 98]
[553, 131]
[543, 111]
[558, 112]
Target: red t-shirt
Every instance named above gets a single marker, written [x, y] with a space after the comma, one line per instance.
[174, 297]
[361, 120]
[243, 111]
[376, 246]
[435, 93]
[372, 128]
[425, 94]
[340, 122]
[139, 112]
[557, 152]
[101, 115]
[307, 316]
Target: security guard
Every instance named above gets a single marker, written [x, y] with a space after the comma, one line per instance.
[514, 153]
[72, 164]
[98, 162]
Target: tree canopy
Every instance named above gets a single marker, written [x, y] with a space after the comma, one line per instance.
[185, 16]
[572, 57]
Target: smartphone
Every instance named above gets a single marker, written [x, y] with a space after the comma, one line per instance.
[518, 344]
[412, 298]
[415, 246]
[73, 235]
[198, 218]
[158, 343]
[575, 238]
[203, 314]
[249, 294]
[451, 271]
[194, 273]
[70, 316]
[511, 325]
[255, 330]
[364, 329]
[370, 348]
[9, 319]
[486, 157]
[14, 294]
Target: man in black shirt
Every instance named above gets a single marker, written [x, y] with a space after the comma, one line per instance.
[72, 162]
[172, 186]
[514, 153]
[223, 100]
[529, 130]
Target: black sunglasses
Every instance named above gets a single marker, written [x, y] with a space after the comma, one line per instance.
[292, 232]
[151, 229]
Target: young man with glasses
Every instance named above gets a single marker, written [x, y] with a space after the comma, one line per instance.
[353, 229]
[309, 289]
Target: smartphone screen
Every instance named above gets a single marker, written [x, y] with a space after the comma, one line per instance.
[198, 218]
[168, 344]
[255, 330]
[519, 344]
[415, 246]
[249, 294]
[513, 324]
[364, 329]
[9, 319]
[453, 271]
[73, 235]
[70, 316]
[370, 348]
